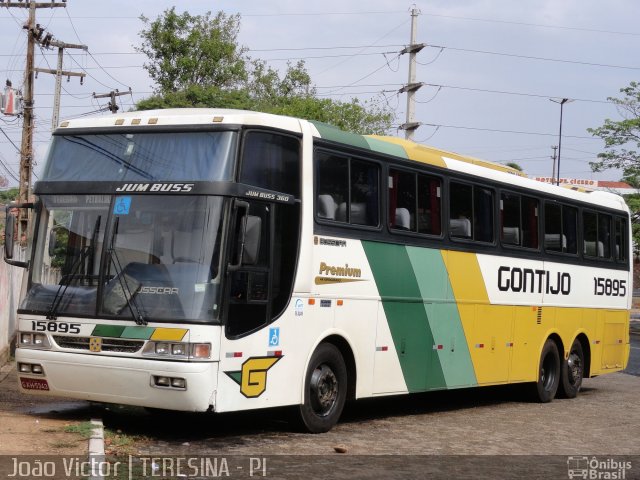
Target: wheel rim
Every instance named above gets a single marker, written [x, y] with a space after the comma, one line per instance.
[575, 368]
[324, 390]
[548, 372]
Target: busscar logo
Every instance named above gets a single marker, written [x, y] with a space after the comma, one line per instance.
[253, 376]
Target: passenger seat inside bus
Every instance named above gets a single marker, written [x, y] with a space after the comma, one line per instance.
[403, 219]
[460, 227]
[327, 207]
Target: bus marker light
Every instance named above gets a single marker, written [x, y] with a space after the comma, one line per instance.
[234, 354]
[274, 353]
[218, 119]
[479, 345]
[312, 301]
[382, 349]
[437, 347]
[340, 303]
[509, 344]
[596, 342]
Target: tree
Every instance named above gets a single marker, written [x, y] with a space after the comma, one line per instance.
[225, 77]
[186, 50]
[621, 137]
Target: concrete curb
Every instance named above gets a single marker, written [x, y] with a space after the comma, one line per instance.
[96, 448]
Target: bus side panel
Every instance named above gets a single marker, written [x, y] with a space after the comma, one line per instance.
[422, 317]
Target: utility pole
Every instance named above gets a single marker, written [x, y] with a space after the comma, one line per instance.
[112, 106]
[553, 171]
[412, 86]
[26, 150]
[59, 73]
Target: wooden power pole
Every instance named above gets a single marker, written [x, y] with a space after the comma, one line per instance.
[34, 35]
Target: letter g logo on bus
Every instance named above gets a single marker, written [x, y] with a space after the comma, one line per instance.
[253, 376]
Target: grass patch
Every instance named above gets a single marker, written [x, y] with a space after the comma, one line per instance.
[84, 429]
[62, 444]
[120, 443]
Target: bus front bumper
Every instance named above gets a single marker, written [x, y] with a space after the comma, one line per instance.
[186, 386]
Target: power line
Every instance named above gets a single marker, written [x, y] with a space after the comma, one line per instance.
[530, 57]
[506, 131]
[522, 94]
[526, 24]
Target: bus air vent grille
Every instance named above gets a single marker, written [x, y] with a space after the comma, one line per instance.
[108, 344]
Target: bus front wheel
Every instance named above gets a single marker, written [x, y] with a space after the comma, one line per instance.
[545, 388]
[572, 372]
[325, 389]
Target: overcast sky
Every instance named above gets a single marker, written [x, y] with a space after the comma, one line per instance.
[491, 65]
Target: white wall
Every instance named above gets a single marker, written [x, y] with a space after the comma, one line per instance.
[10, 283]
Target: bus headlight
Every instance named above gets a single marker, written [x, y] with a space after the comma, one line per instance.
[178, 351]
[33, 340]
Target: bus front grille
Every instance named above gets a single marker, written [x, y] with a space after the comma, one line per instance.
[107, 344]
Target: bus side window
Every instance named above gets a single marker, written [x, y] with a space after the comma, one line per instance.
[347, 190]
[560, 228]
[471, 212]
[271, 161]
[620, 237]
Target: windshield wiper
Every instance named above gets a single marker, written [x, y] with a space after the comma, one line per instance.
[52, 314]
[122, 278]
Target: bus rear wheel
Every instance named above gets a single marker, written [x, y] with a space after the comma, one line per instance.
[572, 372]
[545, 388]
[325, 389]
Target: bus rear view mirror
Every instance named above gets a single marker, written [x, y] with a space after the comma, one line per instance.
[9, 235]
[10, 232]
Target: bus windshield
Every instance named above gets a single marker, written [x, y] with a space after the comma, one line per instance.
[141, 156]
[147, 257]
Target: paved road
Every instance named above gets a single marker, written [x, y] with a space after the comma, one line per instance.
[633, 368]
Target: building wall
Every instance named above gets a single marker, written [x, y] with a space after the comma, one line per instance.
[10, 283]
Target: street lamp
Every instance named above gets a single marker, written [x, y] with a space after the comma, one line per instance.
[561, 102]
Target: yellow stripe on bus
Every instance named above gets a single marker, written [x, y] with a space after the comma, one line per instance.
[169, 334]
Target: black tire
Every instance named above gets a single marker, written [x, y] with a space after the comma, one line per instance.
[545, 388]
[572, 372]
[325, 389]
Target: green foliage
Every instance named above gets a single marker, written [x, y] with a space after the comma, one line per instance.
[633, 202]
[8, 195]
[223, 77]
[184, 50]
[621, 137]
[515, 166]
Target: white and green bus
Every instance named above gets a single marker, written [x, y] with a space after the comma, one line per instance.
[221, 260]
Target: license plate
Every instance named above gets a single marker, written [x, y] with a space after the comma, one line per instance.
[34, 384]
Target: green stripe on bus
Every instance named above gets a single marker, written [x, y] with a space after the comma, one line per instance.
[113, 331]
[331, 133]
[139, 333]
[444, 318]
[386, 147]
[406, 315]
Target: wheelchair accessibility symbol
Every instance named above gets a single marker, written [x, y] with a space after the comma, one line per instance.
[122, 206]
[274, 337]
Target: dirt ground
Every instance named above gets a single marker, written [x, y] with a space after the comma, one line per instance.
[30, 425]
